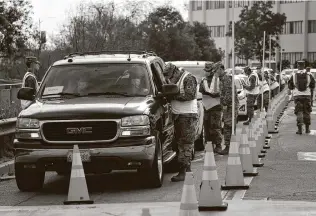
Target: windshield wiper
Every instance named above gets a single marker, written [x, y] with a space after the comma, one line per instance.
[61, 94]
[110, 93]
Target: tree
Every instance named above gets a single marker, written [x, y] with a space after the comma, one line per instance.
[206, 45]
[168, 35]
[15, 24]
[249, 30]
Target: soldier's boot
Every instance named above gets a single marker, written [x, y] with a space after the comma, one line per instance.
[181, 175]
[225, 151]
[307, 130]
[247, 122]
[299, 131]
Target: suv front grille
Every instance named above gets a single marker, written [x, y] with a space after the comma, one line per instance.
[101, 130]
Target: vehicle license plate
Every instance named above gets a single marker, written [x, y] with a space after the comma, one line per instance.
[85, 156]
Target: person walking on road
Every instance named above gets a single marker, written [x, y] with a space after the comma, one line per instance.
[302, 83]
[29, 79]
[253, 91]
[226, 102]
[209, 87]
[185, 111]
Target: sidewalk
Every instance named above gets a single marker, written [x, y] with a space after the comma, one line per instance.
[235, 208]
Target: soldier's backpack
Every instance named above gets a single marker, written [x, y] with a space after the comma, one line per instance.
[301, 81]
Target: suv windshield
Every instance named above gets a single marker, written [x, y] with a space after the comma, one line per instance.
[128, 79]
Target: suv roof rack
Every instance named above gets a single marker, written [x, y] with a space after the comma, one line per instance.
[128, 52]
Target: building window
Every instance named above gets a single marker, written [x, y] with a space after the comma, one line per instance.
[311, 26]
[240, 4]
[291, 1]
[196, 5]
[293, 27]
[292, 56]
[217, 31]
[215, 5]
[311, 56]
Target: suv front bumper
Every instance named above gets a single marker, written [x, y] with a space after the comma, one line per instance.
[52, 158]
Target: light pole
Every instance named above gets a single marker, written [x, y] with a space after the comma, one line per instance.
[282, 50]
[233, 70]
[263, 63]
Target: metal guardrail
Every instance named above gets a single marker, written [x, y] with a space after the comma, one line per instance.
[9, 107]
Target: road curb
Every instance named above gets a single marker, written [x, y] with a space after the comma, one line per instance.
[7, 168]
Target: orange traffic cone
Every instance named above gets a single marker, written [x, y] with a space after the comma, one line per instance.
[78, 190]
[245, 155]
[253, 147]
[234, 176]
[189, 203]
[210, 193]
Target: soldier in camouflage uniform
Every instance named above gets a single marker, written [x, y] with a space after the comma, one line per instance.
[264, 90]
[253, 91]
[226, 102]
[302, 83]
[213, 113]
[184, 108]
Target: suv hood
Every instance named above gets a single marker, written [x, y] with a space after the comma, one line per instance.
[87, 107]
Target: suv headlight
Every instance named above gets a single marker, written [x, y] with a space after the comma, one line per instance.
[138, 120]
[27, 123]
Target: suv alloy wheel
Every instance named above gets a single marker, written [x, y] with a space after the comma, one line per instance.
[153, 177]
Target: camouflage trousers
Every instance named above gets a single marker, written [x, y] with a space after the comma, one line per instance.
[227, 117]
[265, 100]
[213, 126]
[303, 110]
[251, 98]
[185, 131]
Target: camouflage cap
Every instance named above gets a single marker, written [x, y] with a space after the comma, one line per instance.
[217, 65]
[169, 69]
[208, 66]
[247, 69]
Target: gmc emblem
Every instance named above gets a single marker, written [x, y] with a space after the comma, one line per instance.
[82, 130]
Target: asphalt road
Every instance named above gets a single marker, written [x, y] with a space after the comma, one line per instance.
[283, 177]
[119, 187]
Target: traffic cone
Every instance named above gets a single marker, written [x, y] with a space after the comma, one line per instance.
[78, 190]
[145, 212]
[210, 193]
[253, 147]
[245, 155]
[189, 203]
[234, 176]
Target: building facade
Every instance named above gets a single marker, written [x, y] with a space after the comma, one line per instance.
[297, 41]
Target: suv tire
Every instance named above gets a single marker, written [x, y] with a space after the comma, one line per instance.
[29, 179]
[153, 177]
[200, 142]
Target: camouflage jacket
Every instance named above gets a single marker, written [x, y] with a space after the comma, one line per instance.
[190, 89]
[226, 91]
[252, 82]
[209, 81]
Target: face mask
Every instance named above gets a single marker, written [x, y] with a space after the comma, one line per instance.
[82, 85]
[136, 82]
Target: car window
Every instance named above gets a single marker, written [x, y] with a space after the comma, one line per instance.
[160, 72]
[84, 79]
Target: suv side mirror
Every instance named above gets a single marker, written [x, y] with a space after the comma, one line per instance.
[170, 89]
[26, 94]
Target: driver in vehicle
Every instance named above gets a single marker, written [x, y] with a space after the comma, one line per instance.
[135, 83]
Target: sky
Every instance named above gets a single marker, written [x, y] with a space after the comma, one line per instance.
[51, 14]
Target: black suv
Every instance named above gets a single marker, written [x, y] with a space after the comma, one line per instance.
[111, 104]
